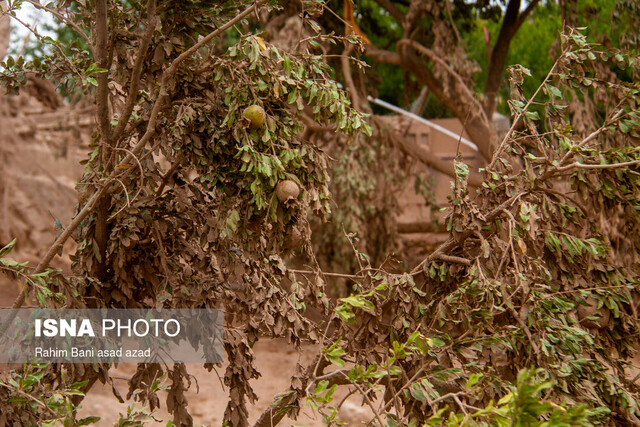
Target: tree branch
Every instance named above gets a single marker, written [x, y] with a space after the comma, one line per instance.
[392, 9]
[510, 25]
[416, 227]
[576, 165]
[132, 96]
[59, 242]
[382, 55]
[89, 206]
[477, 125]
[104, 127]
[525, 13]
[62, 19]
[425, 156]
[348, 79]
[453, 259]
[102, 91]
[435, 58]
[452, 242]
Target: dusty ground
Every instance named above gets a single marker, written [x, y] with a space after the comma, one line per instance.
[275, 360]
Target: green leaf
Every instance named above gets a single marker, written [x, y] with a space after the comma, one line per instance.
[334, 354]
[87, 420]
[7, 248]
[532, 115]
[473, 379]
[417, 392]
[435, 342]
[346, 313]
[293, 96]
[358, 301]
[554, 91]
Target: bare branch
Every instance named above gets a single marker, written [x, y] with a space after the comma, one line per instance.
[577, 165]
[348, 79]
[428, 158]
[435, 58]
[63, 19]
[382, 55]
[453, 259]
[510, 25]
[392, 9]
[477, 126]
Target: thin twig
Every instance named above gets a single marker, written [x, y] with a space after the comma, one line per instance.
[609, 166]
[125, 188]
[126, 205]
[62, 18]
[166, 177]
[25, 40]
[453, 259]
[582, 143]
[452, 23]
[70, 63]
[344, 399]
[369, 403]
[457, 399]
[27, 396]
[452, 243]
[407, 384]
[518, 116]
[507, 300]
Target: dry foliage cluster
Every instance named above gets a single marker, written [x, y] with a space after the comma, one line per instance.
[205, 230]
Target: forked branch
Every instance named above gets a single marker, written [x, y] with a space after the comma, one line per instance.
[135, 151]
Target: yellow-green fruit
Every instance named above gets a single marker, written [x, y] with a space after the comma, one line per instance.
[287, 191]
[256, 116]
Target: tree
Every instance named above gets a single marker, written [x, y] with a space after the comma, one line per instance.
[536, 272]
[209, 229]
[439, 45]
[431, 49]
